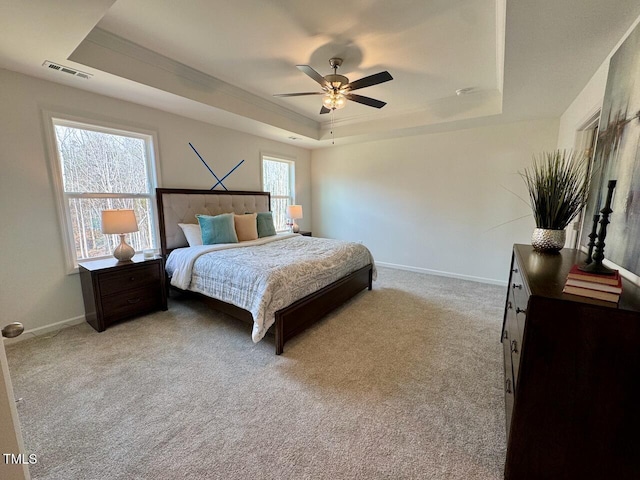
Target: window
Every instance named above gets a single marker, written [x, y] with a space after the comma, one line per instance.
[585, 141]
[278, 178]
[99, 168]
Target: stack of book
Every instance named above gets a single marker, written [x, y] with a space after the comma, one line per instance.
[601, 287]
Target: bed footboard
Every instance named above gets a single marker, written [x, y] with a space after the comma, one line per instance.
[299, 315]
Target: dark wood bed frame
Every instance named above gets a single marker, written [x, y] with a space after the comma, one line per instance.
[293, 319]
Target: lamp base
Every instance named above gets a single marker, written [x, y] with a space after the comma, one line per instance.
[124, 252]
[295, 227]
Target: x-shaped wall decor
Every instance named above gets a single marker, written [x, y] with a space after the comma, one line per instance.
[214, 175]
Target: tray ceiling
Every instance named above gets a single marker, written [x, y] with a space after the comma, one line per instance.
[221, 62]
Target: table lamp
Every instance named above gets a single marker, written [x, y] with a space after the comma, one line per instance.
[120, 222]
[294, 212]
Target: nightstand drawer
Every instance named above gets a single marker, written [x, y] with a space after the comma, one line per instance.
[126, 280]
[115, 307]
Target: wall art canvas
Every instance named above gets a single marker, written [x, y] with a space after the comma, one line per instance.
[617, 157]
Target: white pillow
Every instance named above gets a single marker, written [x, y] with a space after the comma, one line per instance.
[192, 232]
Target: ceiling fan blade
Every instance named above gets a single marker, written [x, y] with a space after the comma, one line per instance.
[324, 110]
[371, 102]
[369, 81]
[297, 94]
[313, 74]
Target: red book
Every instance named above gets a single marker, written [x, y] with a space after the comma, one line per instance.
[595, 278]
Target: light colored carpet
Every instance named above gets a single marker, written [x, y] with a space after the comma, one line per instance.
[403, 382]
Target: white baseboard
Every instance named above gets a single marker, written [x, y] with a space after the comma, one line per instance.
[41, 331]
[439, 273]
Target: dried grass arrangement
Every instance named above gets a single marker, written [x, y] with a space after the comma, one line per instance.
[558, 184]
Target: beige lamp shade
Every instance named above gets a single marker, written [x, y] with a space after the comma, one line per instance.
[119, 221]
[294, 211]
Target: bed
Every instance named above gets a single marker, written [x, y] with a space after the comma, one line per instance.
[349, 271]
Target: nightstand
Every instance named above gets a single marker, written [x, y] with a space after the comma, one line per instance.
[305, 234]
[113, 291]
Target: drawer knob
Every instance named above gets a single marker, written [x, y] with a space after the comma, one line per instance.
[517, 285]
[507, 385]
[514, 346]
[515, 270]
[132, 279]
[505, 335]
[134, 300]
[509, 305]
[519, 310]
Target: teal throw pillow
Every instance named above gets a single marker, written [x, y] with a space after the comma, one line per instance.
[217, 229]
[266, 227]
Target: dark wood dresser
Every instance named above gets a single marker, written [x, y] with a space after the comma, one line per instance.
[113, 291]
[572, 375]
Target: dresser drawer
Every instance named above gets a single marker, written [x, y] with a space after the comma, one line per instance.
[129, 279]
[132, 302]
[514, 343]
[521, 320]
[508, 375]
[509, 394]
[519, 290]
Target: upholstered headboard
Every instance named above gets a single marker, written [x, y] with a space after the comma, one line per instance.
[179, 205]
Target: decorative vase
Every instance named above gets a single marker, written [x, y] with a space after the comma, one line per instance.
[547, 240]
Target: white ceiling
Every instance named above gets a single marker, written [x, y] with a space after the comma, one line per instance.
[221, 62]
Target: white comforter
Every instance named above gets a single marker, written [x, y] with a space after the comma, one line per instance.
[265, 275]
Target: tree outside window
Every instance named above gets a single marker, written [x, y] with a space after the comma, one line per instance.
[278, 179]
[102, 168]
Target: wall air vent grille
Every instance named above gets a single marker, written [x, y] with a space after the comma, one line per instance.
[70, 71]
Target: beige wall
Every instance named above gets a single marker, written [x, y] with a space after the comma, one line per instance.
[432, 202]
[36, 289]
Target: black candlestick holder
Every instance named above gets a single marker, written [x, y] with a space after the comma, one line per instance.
[592, 239]
[596, 265]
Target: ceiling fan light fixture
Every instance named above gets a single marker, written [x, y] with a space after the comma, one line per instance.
[337, 89]
[334, 101]
[336, 81]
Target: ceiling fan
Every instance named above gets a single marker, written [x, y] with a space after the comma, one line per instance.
[337, 88]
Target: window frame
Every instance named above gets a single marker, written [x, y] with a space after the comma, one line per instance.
[291, 163]
[51, 119]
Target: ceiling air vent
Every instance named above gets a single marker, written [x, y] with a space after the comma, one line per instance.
[70, 71]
